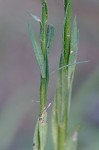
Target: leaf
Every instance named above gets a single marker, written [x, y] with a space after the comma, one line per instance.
[74, 43]
[49, 37]
[60, 108]
[84, 110]
[40, 132]
[47, 70]
[65, 3]
[44, 12]
[55, 125]
[62, 92]
[73, 52]
[72, 58]
[43, 129]
[66, 32]
[37, 51]
[36, 143]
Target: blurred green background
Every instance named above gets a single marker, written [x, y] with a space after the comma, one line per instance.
[19, 73]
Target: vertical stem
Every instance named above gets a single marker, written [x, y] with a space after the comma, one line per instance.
[63, 127]
[44, 27]
[67, 30]
[43, 84]
[65, 5]
[46, 32]
[43, 81]
[64, 83]
[43, 95]
[61, 137]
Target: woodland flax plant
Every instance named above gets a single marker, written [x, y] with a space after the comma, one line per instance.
[62, 100]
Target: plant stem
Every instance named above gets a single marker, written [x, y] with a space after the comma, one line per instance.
[43, 84]
[67, 30]
[65, 4]
[41, 53]
[63, 130]
[61, 137]
[43, 81]
[63, 90]
[43, 95]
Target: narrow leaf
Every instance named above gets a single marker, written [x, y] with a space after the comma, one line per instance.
[49, 37]
[72, 58]
[36, 143]
[62, 92]
[44, 12]
[55, 125]
[74, 43]
[73, 51]
[47, 69]
[65, 3]
[66, 32]
[37, 51]
[43, 129]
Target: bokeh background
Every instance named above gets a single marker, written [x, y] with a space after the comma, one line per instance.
[19, 73]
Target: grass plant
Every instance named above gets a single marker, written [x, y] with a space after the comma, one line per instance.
[62, 100]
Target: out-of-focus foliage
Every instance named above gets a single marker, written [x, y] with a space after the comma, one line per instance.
[12, 116]
[85, 112]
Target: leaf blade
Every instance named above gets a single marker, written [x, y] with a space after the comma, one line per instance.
[36, 143]
[43, 129]
[50, 36]
[37, 51]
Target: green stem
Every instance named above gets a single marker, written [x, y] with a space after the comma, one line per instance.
[67, 31]
[63, 127]
[65, 5]
[64, 83]
[43, 84]
[63, 124]
[43, 95]
[61, 137]
[44, 27]
[43, 81]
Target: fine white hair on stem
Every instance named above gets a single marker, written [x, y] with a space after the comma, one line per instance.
[45, 110]
[76, 63]
[48, 106]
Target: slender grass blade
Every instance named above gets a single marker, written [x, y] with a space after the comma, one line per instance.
[36, 143]
[37, 51]
[49, 37]
[43, 129]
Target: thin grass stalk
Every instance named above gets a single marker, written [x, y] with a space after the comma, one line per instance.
[63, 127]
[40, 133]
[41, 53]
[65, 2]
[43, 84]
[43, 81]
[62, 99]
